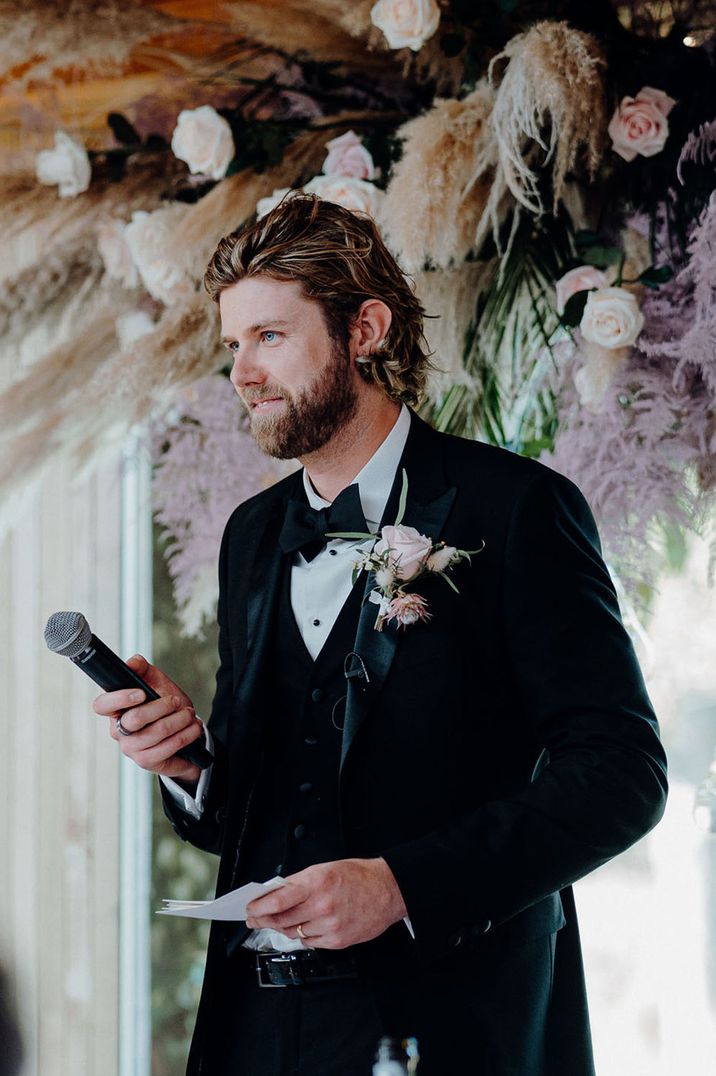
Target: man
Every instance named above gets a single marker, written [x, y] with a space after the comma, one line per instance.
[428, 791]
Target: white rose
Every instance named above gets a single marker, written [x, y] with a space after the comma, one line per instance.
[639, 125]
[597, 373]
[149, 236]
[67, 166]
[265, 205]
[406, 23]
[611, 318]
[582, 278]
[347, 156]
[115, 253]
[353, 194]
[130, 326]
[203, 139]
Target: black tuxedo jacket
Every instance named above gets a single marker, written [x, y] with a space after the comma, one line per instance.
[497, 753]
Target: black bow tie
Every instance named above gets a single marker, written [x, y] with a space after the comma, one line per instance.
[305, 528]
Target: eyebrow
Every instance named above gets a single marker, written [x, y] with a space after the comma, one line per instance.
[274, 323]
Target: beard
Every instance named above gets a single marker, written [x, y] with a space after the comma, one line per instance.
[308, 420]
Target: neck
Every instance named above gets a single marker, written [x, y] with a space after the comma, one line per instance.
[335, 465]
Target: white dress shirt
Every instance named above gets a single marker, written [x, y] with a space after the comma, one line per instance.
[319, 589]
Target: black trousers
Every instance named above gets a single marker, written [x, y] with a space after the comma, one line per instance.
[474, 1016]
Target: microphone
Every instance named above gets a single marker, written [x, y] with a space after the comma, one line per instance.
[70, 635]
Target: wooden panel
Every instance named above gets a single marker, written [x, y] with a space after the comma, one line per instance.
[60, 849]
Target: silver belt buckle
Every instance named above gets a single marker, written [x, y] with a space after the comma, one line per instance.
[278, 958]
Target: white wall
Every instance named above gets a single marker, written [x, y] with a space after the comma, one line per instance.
[59, 842]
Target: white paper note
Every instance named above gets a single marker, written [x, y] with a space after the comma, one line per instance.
[229, 908]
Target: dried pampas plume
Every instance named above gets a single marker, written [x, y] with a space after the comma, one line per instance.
[550, 94]
[436, 200]
[39, 37]
[323, 29]
[449, 298]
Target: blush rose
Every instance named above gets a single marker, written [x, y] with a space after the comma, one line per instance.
[202, 138]
[406, 23]
[347, 156]
[583, 278]
[612, 318]
[353, 194]
[407, 549]
[639, 125]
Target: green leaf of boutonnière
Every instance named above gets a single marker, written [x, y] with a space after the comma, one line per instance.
[349, 534]
[403, 499]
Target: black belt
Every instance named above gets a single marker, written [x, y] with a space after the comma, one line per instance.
[300, 967]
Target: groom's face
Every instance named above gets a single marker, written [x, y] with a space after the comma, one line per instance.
[299, 385]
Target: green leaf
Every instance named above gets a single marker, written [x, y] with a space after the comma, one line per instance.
[654, 275]
[123, 130]
[449, 581]
[602, 257]
[403, 499]
[574, 308]
[586, 238]
[348, 534]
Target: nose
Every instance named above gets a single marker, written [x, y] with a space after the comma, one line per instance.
[245, 370]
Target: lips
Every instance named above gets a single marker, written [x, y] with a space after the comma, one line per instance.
[260, 405]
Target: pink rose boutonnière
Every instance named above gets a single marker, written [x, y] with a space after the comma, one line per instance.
[398, 559]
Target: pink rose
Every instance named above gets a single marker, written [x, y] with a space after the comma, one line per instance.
[354, 194]
[639, 125]
[347, 156]
[582, 278]
[406, 23]
[407, 550]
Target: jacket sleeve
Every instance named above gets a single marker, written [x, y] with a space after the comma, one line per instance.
[207, 832]
[583, 696]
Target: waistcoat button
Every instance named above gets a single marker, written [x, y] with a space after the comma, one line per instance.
[311, 741]
[317, 694]
[299, 831]
[305, 787]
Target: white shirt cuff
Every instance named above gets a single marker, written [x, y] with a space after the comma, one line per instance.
[192, 805]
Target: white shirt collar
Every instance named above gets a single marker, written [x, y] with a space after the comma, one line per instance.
[375, 479]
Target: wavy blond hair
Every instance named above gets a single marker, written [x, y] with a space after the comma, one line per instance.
[340, 260]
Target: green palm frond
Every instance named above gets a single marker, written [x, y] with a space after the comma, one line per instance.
[508, 401]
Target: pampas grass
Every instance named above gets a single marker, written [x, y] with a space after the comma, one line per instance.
[440, 187]
[34, 221]
[324, 29]
[550, 95]
[449, 297]
[40, 37]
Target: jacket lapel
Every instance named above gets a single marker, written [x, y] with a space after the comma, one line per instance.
[261, 602]
[429, 501]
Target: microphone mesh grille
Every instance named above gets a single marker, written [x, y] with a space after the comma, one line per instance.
[67, 634]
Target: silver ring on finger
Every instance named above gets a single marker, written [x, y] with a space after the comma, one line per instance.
[120, 727]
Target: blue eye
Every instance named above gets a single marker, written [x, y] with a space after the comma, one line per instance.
[269, 332]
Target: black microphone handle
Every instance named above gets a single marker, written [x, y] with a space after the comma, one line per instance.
[111, 674]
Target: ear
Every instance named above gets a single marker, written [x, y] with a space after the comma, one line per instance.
[370, 327]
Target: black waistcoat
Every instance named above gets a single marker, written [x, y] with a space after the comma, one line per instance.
[294, 819]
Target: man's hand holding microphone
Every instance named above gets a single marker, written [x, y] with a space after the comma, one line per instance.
[151, 733]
